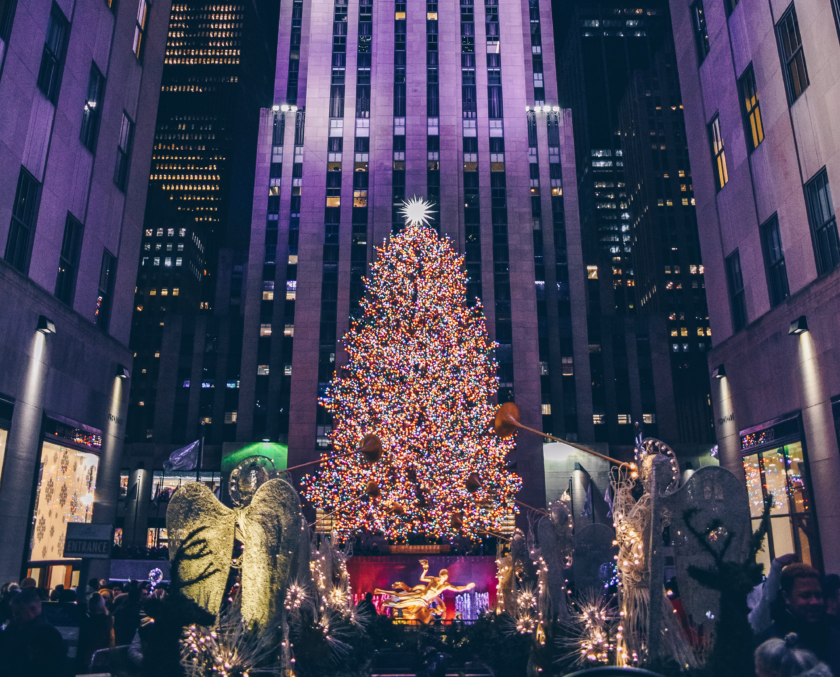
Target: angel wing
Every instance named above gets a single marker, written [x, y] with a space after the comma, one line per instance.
[273, 531]
[201, 532]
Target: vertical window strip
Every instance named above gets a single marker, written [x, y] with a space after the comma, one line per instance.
[294, 53]
[774, 261]
[472, 213]
[332, 219]
[701, 32]
[718, 153]
[24, 217]
[55, 51]
[737, 300]
[361, 150]
[432, 112]
[398, 172]
[792, 54]
[823, 223]
[498, 203]
[68, 264]
[750, 109]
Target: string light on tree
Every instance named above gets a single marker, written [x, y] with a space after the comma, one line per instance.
[420, 376]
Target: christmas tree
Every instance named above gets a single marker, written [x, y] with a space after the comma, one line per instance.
[421, 376]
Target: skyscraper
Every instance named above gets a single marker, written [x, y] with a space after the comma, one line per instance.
[79, 86]
[616, 52]
[376, 102]
[669, 275]
[217, 75]
[758, 88]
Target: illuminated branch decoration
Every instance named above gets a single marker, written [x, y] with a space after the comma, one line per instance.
[420, 377]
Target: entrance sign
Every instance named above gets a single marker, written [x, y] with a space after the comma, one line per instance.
[88, 541]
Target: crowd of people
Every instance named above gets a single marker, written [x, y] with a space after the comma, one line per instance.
[795, 617]
[796, 621]
[107, 615]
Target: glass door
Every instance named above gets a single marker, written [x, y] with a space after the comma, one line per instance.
[781, 472]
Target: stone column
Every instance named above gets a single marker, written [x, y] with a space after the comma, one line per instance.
[21, 463]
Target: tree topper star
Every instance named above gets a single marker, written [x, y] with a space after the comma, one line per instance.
[417, 211]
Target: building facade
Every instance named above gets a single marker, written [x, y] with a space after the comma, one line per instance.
[376, 102]
[758, 81]
[76, 132]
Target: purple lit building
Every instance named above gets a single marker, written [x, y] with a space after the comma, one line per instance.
[376, 102]
[759, 83]
[79, 85]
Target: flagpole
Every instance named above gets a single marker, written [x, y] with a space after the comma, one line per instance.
[200, 454]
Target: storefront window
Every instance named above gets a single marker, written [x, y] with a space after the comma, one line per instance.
[66, 487]
[781, 472]
[165, 483]
[124, 484]
[157, 538]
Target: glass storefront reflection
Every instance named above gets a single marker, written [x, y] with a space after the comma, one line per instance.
[66, 486]
[781, 472]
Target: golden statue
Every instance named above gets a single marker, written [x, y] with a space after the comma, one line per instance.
[416, 603]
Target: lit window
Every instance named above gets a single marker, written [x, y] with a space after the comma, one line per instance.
[718, 153]
[289, 330]
[164, 292]
[599, 419]
[568, 366]
[140, 28]
[750, 108]
[649, 418]
[546, 410]
[157, 260]
[230, 417]
[175, 291]
[262, 370]
[592, 272]
[178, 261]
[168, 261]
[623, 419]
[543, 368]
[265, 329]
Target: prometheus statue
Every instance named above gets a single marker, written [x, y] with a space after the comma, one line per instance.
[417, 602]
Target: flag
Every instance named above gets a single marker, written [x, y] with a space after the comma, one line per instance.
[185, 458]
[587, 504]
[608, 501]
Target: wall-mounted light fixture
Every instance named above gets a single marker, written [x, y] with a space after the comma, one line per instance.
[46, 325]
[719, 372]
[122, 372]
[798, 326]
